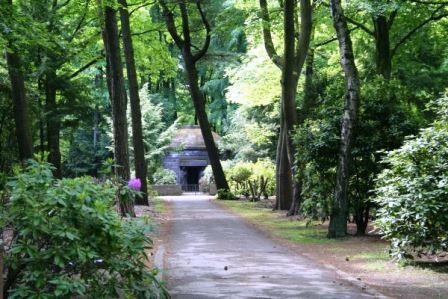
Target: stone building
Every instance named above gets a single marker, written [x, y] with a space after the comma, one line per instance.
[188, 157]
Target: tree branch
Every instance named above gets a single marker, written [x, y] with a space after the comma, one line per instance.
[333, 39]
[185, 24]
[391, 19]
[360, 25]
[141, 5]
[81, 21]
[433, 17]
[267, 35]
[207, 27]
[170, 24]
[147, 31]
[86, 66]
[306, 25]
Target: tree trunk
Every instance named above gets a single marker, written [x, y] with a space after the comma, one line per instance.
[199, 106]
[361, 219]
[136, 114]
[291, 65]
[53, 123]
[338, 216]
[18, 92]
[309, 96]
[294, 59]
[20, 106]
[118, 102]
[382, 44]
[283, 192]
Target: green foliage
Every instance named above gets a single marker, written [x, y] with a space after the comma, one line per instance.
[253, 179]
[226, 195]
[164, 177]
[386, 119]
[156, 134]
[85, 156]
[412, 192]
[68, 240]
[248, 138]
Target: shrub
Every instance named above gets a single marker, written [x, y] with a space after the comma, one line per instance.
[225, 195]
[164, 177]
[252, 178]
[413, 192]
[239, 176]
[68, 240]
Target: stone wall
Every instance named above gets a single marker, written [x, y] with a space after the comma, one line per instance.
[164, 190]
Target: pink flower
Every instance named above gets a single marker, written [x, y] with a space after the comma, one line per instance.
[135, 184]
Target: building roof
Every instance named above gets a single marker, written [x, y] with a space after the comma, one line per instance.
[190, 137]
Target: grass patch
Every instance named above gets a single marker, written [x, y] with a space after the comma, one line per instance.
[289, 229]
[377, 255]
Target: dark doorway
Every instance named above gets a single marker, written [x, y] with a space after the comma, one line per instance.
[192, 175]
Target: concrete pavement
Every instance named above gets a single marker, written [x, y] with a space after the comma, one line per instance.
[212, 253]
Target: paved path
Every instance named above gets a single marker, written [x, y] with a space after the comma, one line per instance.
[205, 240]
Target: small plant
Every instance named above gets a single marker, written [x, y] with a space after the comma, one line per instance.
[66, 240]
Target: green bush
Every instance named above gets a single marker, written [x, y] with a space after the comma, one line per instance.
[413, 192]
[225, 195]
[68, 240]
[164, 177]
[255, 179]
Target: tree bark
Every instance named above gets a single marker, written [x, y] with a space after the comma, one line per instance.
[338, 216]
[285, 185]
[136, 114]
[118, 101]
[20, 106]
[18, 92]
[382, 45]
[290, 76]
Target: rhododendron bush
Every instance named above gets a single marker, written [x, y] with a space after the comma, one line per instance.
[64, 238]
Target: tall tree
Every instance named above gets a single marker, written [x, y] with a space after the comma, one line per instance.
[136, 114]
[338, 217]
[118, 99]
[18, 91]
[190, 60]
[291, 65]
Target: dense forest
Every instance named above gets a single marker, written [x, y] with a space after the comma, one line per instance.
[337, 109]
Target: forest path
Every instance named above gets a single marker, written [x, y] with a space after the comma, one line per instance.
[212, 253]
